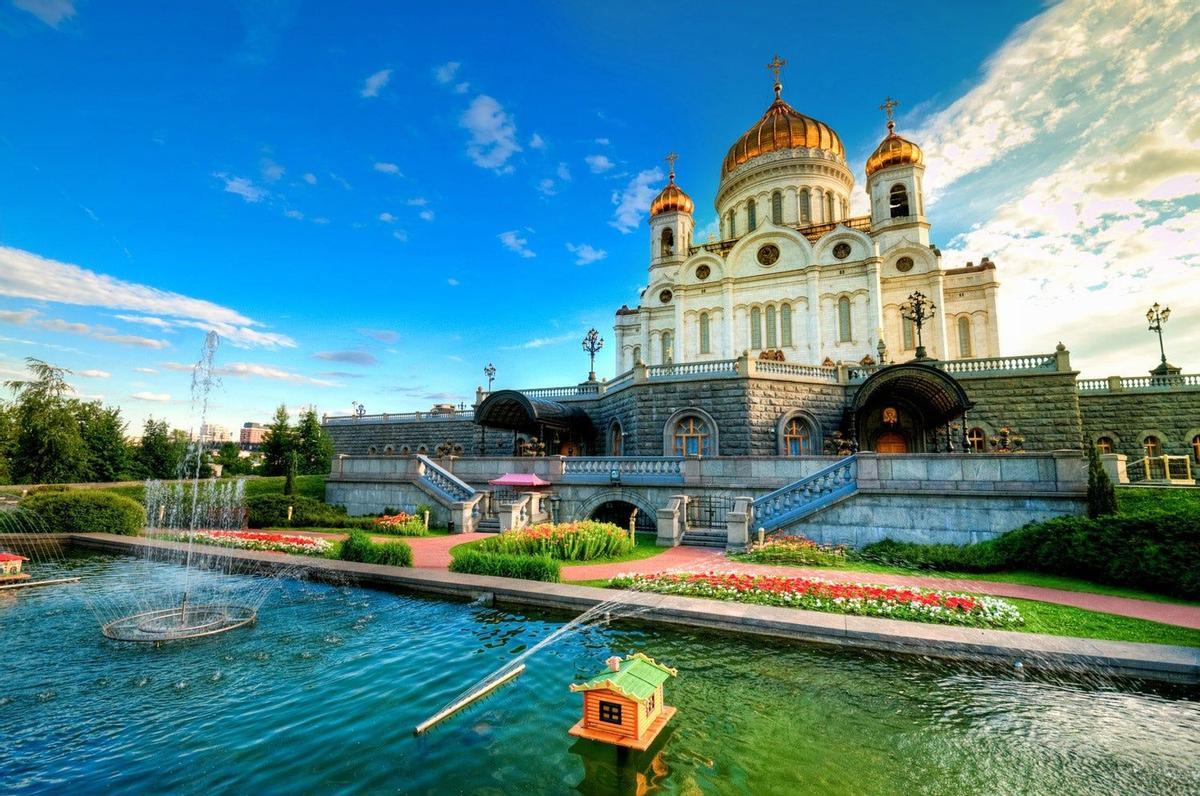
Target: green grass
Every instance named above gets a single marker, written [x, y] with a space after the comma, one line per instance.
[647, 547]
[1136, 499]
[312, 486]
[373, 532]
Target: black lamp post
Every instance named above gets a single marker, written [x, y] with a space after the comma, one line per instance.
[918, 309]
[490, 372]
[359, 409]
[592, 342]
[1156, 318]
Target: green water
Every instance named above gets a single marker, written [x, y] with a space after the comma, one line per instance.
[321, 695]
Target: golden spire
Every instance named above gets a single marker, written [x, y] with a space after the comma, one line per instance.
[671, 158]
[887, 107]
[775, 66]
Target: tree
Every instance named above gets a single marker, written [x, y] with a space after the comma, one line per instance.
[289, 483]
[1101, 495]
[231, 461]
[161, 452]
[313, 445]
[103, 433]
[278, 443]
[47, 447]
[8, 434]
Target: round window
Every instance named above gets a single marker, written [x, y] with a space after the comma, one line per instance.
[769, 254]
[703, 272]
[841, 251]
[665, 297]
[904, 264]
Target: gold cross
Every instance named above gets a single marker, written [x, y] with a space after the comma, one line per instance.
[671, 158]
[887, 107]
[776, 64]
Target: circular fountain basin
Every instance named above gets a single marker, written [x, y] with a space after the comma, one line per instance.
[179, 622]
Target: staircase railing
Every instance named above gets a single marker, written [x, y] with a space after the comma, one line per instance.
[444, 482]
[809, 494]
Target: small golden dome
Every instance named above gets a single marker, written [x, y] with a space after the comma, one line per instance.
[894, 151]
[671, 198]
[781, 127]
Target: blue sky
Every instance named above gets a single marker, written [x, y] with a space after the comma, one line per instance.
[371, 204]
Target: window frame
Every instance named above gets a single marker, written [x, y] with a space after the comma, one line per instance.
[902, 203]
[705, 333]
[977, 442]
[755, 329]
[777, 207]
[966, 348]
[845, 320]
[611, 712]
[785, 325]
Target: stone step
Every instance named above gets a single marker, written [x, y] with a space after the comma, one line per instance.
[488, 526]
[704, 538]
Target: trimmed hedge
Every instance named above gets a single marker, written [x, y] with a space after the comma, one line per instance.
[1157, 551]
[270, 511]
[502, 565]
[87, 511]
[585, 540]
[359, 547]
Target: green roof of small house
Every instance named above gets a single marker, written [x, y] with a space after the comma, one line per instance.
[637, 678]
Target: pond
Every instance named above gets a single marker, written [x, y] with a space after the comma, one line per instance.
[322, 694]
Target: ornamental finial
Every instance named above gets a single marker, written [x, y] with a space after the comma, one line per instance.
[775, 66]
[887, 107]
[671, 158]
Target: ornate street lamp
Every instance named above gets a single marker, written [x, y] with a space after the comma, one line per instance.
[592, 342]
[359, 409]
[490, 372]
[918, 309]
[1156, 318]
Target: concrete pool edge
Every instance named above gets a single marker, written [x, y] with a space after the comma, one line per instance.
[1034, 651]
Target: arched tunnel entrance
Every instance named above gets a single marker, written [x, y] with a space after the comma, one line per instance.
[618, 512]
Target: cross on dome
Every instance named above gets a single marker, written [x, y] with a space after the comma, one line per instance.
[776, 65]
[671, 158]
[887, 107]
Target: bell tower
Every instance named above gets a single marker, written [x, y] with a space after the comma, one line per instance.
[895, 174]
[671, 222]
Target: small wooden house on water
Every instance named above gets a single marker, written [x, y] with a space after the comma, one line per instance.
[623, 705]
[10, 567]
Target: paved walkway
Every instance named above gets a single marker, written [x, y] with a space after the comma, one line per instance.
[429, 552]
[698, 559]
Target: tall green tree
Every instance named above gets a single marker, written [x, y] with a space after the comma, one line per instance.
[161, 451]
[279, 441]
[313, 445]
[47, 447]
[1101, 495]
[231, 460]
[103, 433]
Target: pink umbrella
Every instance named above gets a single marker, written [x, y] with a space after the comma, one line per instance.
[519, 480]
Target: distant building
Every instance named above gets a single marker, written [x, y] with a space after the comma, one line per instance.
[251, 436]
[212, 435]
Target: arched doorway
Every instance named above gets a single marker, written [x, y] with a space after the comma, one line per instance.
[891, 442]
[562, 429]
[618, 513]
[910, 408]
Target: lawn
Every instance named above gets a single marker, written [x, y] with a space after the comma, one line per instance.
[373, 532]
[1135, 499]
[647, 547]
[312, 486]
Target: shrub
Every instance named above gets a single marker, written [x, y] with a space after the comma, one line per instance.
[400, 524]
[270, 511]
[784, 549]
[359, 547]
[393, 554]
[1101, 495]
[572, 541]
[981, 557]
[501, 565]
[87, 511]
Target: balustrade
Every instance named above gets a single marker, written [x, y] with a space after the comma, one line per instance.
[805, 496]
[659, 467]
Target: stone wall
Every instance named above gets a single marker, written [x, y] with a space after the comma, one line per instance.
[1171, 414]
[359, 437]
[1041, 407]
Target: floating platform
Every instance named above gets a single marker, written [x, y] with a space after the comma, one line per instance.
[641, 744]
[7, 579]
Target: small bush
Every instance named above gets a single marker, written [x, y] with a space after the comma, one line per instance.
[784, 549]
[571, 541]
[393, 554]
[87, 511]
[982, 557]
[400, 524]
[270, 511]
[501, 565]
[359, 547]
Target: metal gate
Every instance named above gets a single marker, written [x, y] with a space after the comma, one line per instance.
[708, 511]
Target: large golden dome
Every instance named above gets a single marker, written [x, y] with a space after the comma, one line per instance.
[894, 151]
[781, 127]
[672, 197]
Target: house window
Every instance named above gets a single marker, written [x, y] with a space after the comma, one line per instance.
[964, 337]
[1153, 446]
[805, 205]
[785, 325]
[777, 208]
[705, 335]
[772, 337]
[751, 216]
[692, 437]
[668, 349]
[975, 440]
[610, 712]
[797, 438]
[755, 328]
[844, 327]
[910, 333]
[1104, 445]
[898, 201]
[650, 703]
[668, 243]
[616, 440]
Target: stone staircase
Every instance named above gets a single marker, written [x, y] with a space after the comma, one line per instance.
[705, 537]
[488, 525]
[807, 496]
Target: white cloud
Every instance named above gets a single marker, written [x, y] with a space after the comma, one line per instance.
[426, 215]
[418, 201]
[101, 333]
[564, 172]
[493, 134]
[388, 168]
[546, 187]
[310, 178]
[272, 171]
[93, 373]
[445, 73]
[250, 370]
[375, 83]
[29, 276]
[155, 397]
[462, 88]
[145, 370]
[537, 142]
[52, 12]
[17, 317]
[382, 335]
[603, 141]
[387, 218]
[634, 200]
[320, 220]
[400, 235]
[241, 186]
[514, 242]
[586, 253]
[296, 214]
[541, 342]
[452, 282]
[598, 163]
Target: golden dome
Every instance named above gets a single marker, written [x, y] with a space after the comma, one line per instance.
[781, 127]
[894, 151]
[671, 198]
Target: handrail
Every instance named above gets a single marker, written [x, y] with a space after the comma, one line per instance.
[803, 497]
[626, 467]
[1137, 383]
[444, 482]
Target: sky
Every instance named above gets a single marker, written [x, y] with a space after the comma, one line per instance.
[369, 204]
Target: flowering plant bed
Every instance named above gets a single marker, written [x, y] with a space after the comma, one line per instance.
[586, 540]
[890, 602]
[401, 524]
[255, 540]
[781, 548]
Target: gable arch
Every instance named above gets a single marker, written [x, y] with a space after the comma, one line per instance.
[861, 246]
[795, 252]
[687, 273]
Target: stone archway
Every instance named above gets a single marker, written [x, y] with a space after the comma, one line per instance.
[647, 518]
[908, 408]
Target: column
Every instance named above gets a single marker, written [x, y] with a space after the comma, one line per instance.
[727, 339]
[814, 315]
[644, 317]
[677, 340]
[939, 318]
[875, 299]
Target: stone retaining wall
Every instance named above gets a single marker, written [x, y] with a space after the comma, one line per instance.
[1171, 414]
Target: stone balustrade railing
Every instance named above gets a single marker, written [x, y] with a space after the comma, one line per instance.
[818, 372]
[660, 469]
[1135, 383]
[445, 482]
[799, 499]
[398, 417]
[703, 368]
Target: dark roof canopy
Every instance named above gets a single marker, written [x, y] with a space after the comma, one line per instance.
[938, 394]
[517, 411]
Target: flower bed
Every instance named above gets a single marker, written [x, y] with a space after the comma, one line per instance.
[781, 548]
[401, 524]
[256, 540]
[891, 602]
[571, 541]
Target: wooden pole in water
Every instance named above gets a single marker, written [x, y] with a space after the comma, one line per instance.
[27, 584]
[458, 705]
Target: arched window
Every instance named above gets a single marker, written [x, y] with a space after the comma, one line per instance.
[705, 341]
[1104, 445]
[898, 201]
[909, 331]
[975, 440]
[772, 337]
[797, 438]
[668, 349]
[777, 208]
[668, 243]
[371, 451]
[829, 207]
[751, 216]
[616, 439]
[388, 450]
[755, 328]
[964, 337]
[785, 325]
[1196, 448]
[692, 437]
[637, 354]
[732, 225]
[806, 206]
[1153, 446]
[845, 329]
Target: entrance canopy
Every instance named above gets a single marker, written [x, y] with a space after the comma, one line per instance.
[935, 393]
[515, 410]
